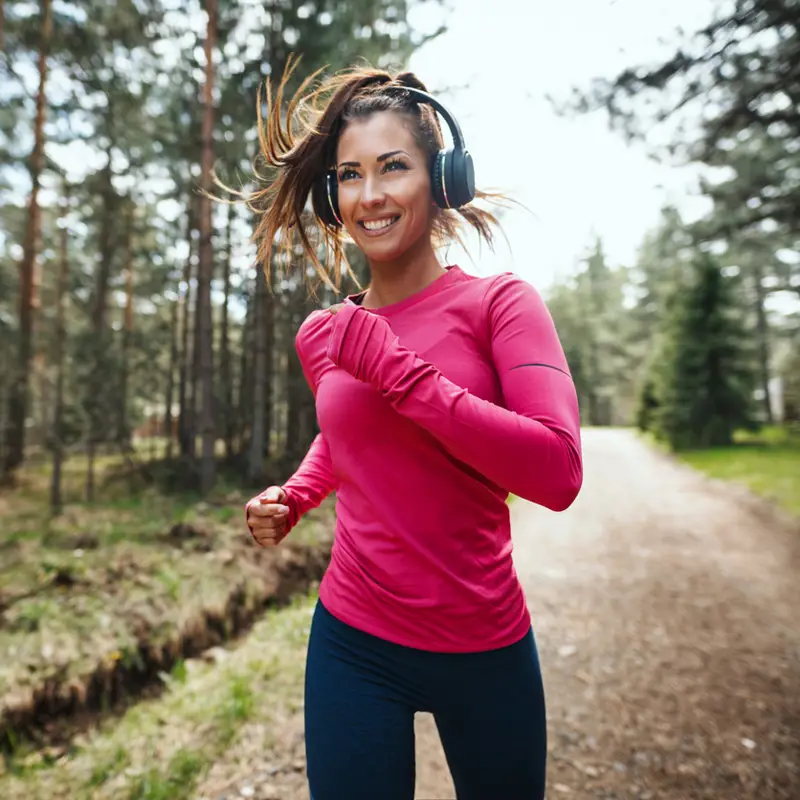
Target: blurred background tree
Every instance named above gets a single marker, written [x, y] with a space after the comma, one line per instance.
[131, 309]
[139, 313]
[730, 97]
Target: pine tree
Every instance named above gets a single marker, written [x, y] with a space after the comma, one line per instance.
[20, 387]
[705, 379]
[791, 387]
[746, 59]
[147, 340]
[588, 310]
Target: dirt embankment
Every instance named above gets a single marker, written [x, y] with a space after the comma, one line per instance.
[68, 696]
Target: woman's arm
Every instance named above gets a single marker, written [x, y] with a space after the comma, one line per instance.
[531, 447]
[311, 483]
[314, 479]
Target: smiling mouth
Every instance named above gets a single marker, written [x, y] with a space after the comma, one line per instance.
[378, 227]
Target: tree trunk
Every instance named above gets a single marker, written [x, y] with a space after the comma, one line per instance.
[255, 466]
[245, 384]
[96, 386]
[205, 267]
[301, 412]
[90, 467]
[194, 365]
[18, 399]
[226, 377]
[186, 418]
[173, 358]
[124, 433]
[193, 370]
[297, 389]
[6, 361]
[282, 338]
[269, 367]
[60, 344]
[762, 328]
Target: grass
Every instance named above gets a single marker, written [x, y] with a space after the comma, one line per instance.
[160, 749]
[767, 462]
[82, 589]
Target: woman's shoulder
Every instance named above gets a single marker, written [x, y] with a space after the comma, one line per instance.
[494, 282]
[315, 321]
[311, 343]
[505, 289]
[503, 281]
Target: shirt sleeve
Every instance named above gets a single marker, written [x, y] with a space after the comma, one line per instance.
[531, 447]
[312, 482]
[314, 479]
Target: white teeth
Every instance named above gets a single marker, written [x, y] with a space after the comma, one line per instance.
[376, 225]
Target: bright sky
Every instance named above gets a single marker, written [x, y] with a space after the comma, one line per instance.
[577, 177]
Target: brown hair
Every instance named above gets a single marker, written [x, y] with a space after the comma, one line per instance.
[298, 146]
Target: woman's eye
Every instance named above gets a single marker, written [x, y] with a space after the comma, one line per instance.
[390, 166]
[394, 165]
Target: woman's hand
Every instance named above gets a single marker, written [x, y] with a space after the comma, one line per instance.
[267, 516]
[359, 342]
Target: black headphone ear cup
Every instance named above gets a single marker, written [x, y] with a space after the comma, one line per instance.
[453, 178]
[467, 177]
[319, 199]
[460, 178]
[323, 191]
[437, 185]
[450, 185]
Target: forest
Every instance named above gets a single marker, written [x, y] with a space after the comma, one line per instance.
[149, 383]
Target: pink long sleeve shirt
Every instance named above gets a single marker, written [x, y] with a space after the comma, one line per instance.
[431, 411]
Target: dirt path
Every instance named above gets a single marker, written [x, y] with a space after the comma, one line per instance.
[667, 612]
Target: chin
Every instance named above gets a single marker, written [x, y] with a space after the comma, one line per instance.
[388, 252]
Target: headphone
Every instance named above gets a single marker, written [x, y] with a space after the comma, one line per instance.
[452, 172]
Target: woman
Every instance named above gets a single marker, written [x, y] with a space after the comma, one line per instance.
[437, 395]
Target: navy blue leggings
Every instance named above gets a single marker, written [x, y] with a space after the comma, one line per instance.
[361, 696]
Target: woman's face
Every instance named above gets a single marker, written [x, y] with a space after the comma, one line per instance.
[385, 196]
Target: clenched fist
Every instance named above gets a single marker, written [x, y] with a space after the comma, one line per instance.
[267, 516]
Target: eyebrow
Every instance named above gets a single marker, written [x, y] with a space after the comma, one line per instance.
[379, 159]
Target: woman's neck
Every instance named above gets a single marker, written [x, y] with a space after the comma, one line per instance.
[392, 282]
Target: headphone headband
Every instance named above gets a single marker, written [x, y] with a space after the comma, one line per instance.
[424, 97]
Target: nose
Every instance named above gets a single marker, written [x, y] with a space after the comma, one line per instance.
[372, 193]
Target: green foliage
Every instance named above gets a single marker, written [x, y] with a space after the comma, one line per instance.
[179, 672]
[108, 766]
[122, 136]
[791, 386]
[617, 324]
[589, 313]
[701, 386]
[647, 402]
[176, 783]
[766, 461]
[237, 710]
[748, 138]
